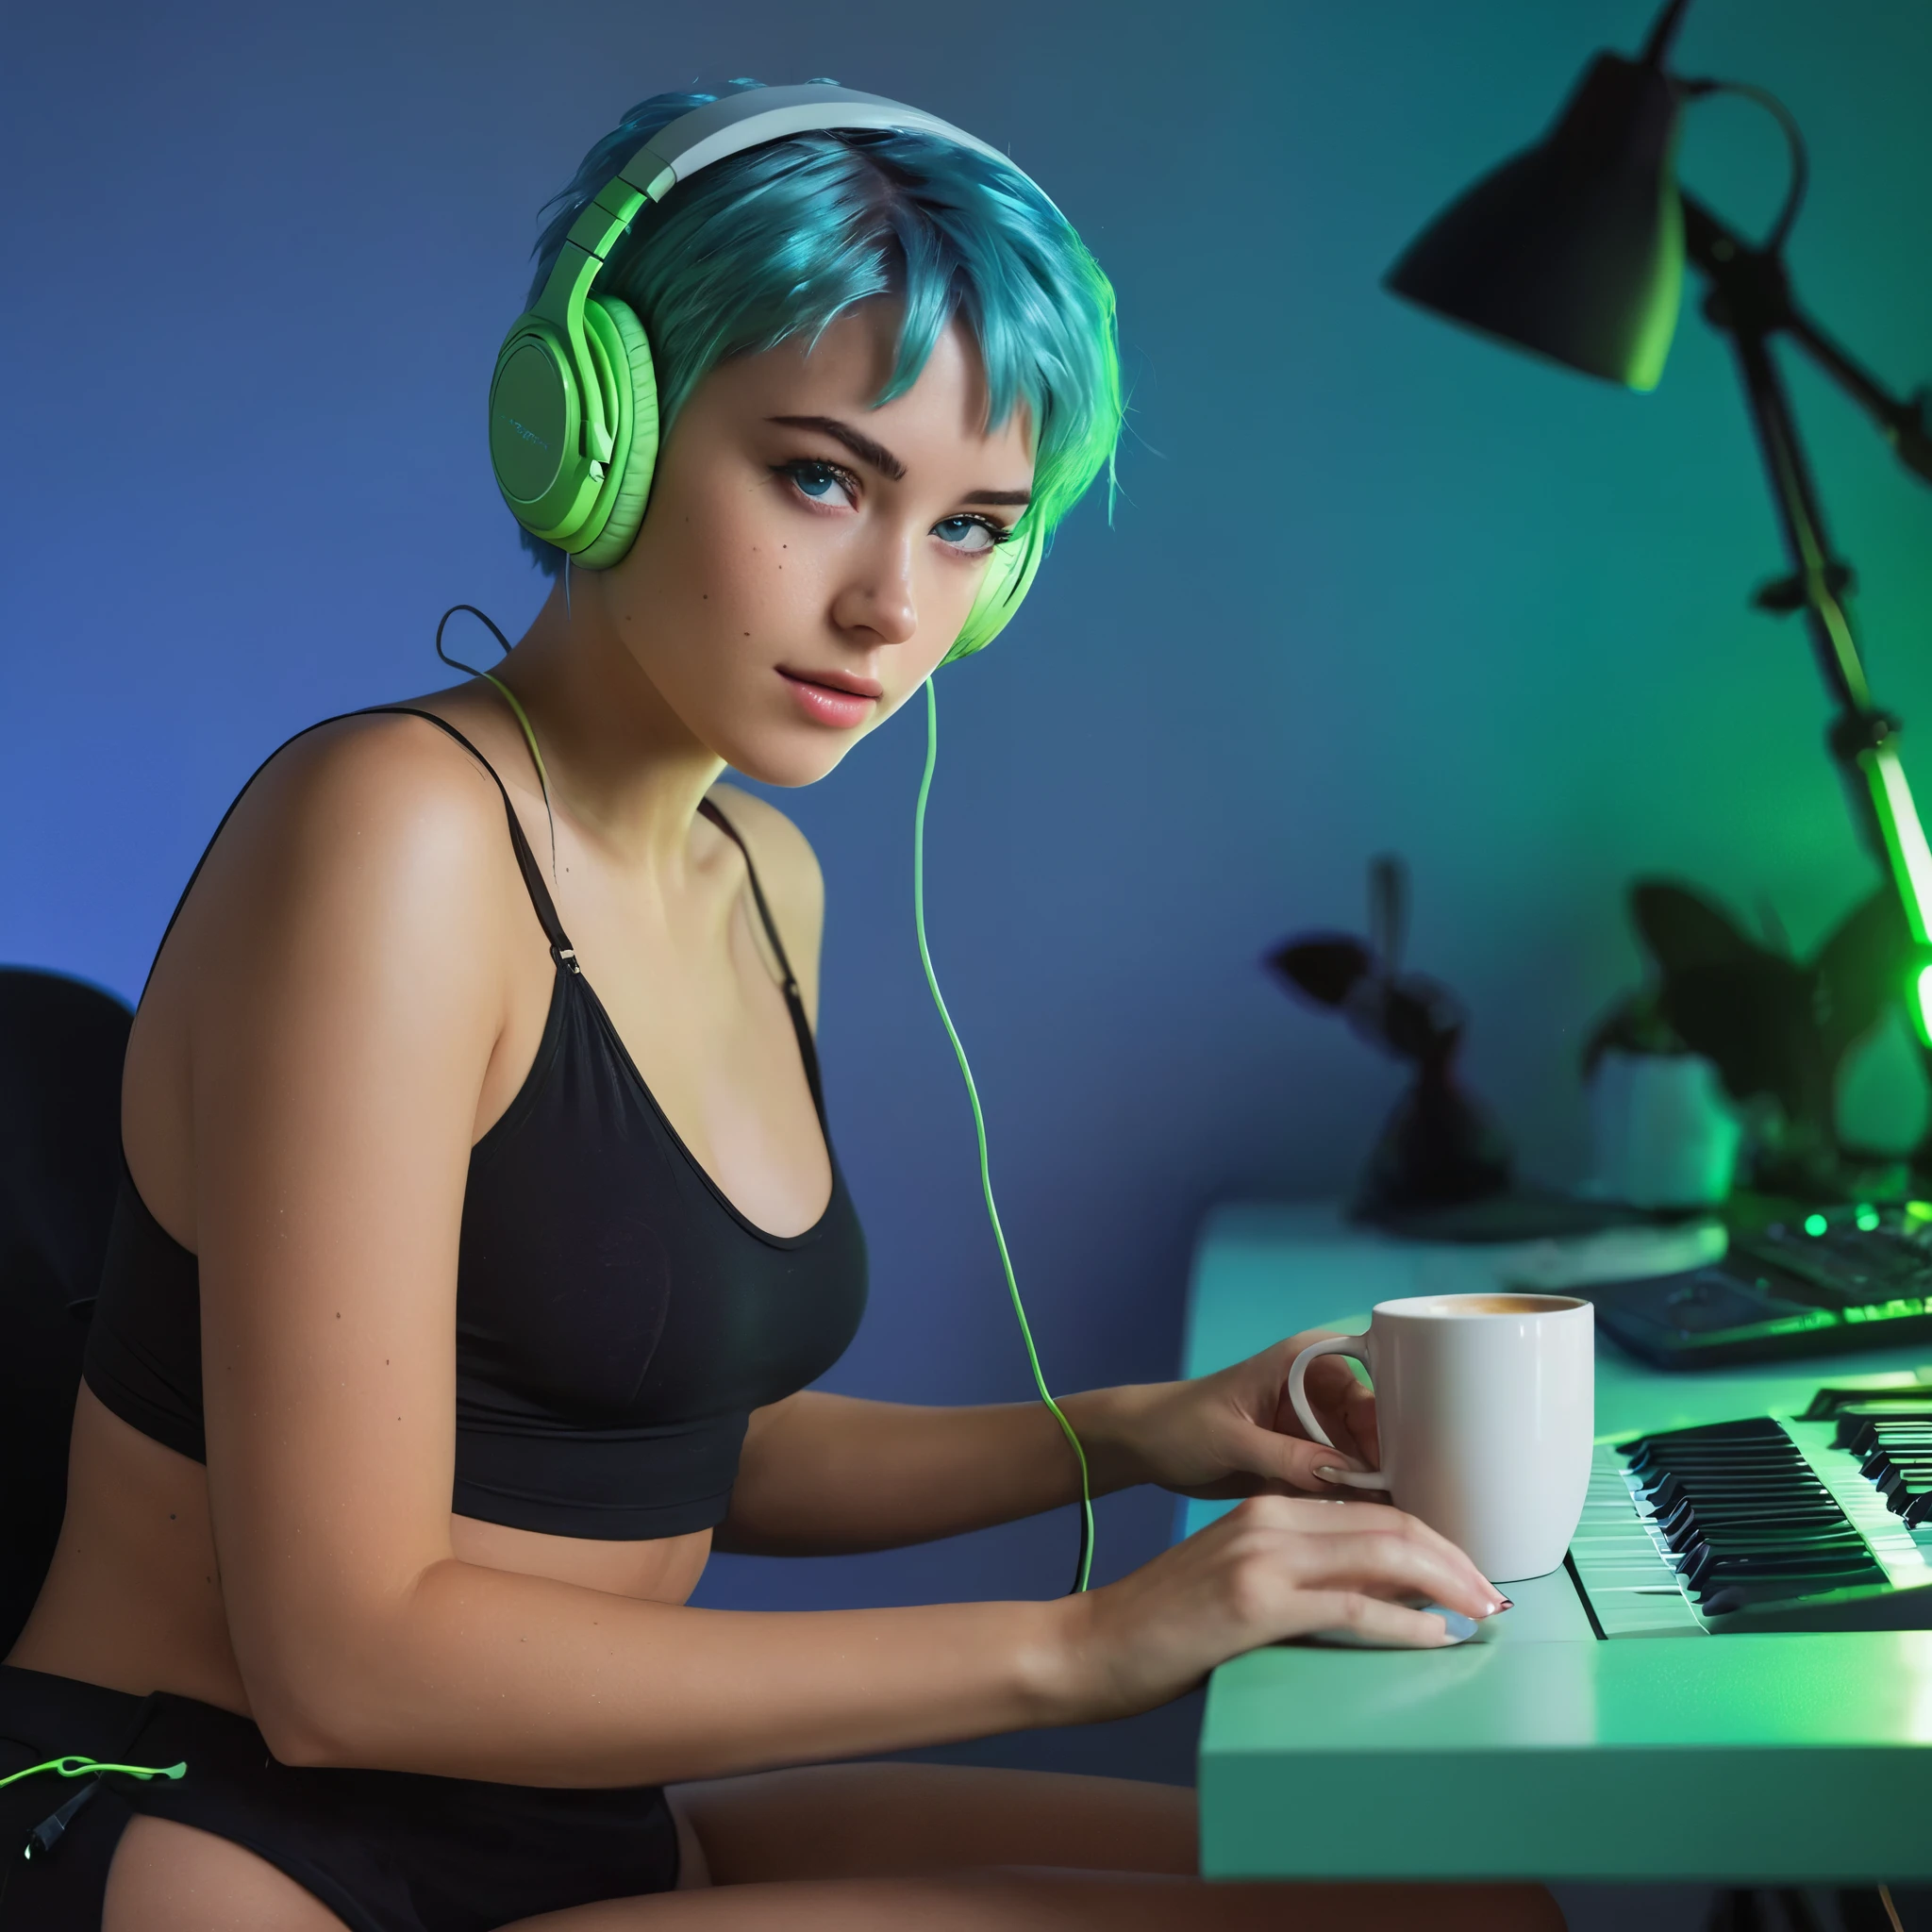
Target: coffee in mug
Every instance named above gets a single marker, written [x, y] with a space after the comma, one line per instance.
[1486, 1409]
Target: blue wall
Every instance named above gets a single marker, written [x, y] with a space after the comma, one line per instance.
[1371, 583]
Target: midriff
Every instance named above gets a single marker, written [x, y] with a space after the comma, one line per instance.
[133, 1600]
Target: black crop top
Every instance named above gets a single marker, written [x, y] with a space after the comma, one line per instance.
[617, 1318]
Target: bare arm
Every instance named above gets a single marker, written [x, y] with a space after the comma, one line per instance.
[825, 1474]
[353, 949]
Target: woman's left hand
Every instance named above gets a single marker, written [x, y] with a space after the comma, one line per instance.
[1235, 1433]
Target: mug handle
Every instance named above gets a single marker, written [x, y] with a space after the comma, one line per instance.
[1356, 1345]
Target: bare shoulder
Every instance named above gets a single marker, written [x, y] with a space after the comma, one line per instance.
[368, 802]
[377, 773]
[368, 838]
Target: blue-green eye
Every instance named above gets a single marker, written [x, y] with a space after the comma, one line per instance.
[973, 535]
[822, 482]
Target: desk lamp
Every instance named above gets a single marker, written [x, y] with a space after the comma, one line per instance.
[1574, 249]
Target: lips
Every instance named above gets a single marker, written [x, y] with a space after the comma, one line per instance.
[838, 680]
[834, 698]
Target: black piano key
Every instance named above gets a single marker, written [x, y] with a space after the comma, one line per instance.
[1690, 1472]
[1747, 1520]
[1799, 1509]
[1741, 1596]
[1699, 1481]
[1898, 1488]
[1799, 1499]
[1777, 1525]
[1819, 1554]
[1897, 1492]
[1800, 1580]
[1675, 1456]
[1907, 1469]
[1771, 1532]
[1759, 1468]
[1707, 1572]
[1790, 1490]
[1777, 1522]
[1752, 1428]
[1794, 1509]
[1860, 1432]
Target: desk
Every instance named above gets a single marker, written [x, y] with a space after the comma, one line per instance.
[1536, 1750]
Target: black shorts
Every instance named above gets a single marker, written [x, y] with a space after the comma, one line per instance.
[386, 1851]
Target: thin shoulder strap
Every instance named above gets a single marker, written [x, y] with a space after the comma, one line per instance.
[526, 860]
[807, 1047]
[526, 863]
[758, 891]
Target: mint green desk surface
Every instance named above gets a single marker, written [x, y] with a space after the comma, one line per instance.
[1536, 1749]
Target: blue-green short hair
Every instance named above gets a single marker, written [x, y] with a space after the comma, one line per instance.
[775, 243]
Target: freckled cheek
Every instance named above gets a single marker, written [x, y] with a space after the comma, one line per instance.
[761, 567]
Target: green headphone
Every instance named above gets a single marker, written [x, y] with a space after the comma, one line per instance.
[573, 401]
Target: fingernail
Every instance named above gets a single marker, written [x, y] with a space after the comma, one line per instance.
[1457, 1625]
[1328, 1473]
[1502, 1603]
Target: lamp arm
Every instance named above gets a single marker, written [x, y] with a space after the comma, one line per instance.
[1750, 302]
[1726, 258]
[1903, 420]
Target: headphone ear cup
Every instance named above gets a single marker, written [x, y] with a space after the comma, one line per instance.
[1009, 574]
[536, 421]
[612, 527]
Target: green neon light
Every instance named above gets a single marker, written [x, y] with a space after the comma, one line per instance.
[1867, 1217]
[1910, 856]
[1815, 1224]
[1910, 859]
[1887, 1311]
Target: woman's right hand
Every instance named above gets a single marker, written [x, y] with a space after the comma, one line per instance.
[1274, 1567]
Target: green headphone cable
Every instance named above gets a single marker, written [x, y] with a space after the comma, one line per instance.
[511, 698]
[1084, 1563]
[89, 1766]
[49, 1831]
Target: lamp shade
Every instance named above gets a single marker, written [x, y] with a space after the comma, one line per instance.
[1574, 248]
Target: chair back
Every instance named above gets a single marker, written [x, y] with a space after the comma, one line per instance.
[61, 1045]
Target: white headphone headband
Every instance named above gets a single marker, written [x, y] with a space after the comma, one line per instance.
[756, 115]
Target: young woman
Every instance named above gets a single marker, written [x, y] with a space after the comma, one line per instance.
[480, 1230]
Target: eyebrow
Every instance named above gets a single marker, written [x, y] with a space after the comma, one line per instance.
[862, 446]
[878, 456]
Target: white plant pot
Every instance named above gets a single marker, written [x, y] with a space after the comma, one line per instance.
[1664, 1132]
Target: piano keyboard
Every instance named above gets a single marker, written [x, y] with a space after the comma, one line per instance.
[1819, 1522]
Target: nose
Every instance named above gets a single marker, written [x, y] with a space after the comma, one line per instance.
[875, 605]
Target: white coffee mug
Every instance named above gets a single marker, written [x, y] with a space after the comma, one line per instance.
[1486, 1409]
